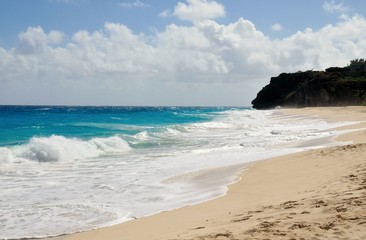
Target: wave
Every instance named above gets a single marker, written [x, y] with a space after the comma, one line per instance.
[56, 148]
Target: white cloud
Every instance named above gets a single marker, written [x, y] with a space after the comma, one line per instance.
[276, 27]
[55, 37]
[165, 13]
[35, 39]
[135, 4]
[194, 10]
[158, 68]
[333, 7]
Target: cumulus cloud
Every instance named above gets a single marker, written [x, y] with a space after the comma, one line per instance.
[333, 7]
[180, 57]
[276, 27]
[35, 39]
[165, 13]
[195, 10]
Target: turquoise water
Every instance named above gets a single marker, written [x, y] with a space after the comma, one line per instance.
[67, 169]
[18, 124]
[47, 132]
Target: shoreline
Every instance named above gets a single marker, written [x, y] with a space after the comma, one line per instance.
[200, 221]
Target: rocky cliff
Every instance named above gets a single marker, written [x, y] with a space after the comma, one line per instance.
[333, 87]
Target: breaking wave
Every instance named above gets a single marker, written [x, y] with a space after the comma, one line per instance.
[57, 148]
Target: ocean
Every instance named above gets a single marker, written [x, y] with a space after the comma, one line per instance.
[65, 169]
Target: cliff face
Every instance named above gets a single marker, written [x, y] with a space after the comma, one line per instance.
[334, 87]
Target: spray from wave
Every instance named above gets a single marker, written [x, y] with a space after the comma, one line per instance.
[59, 148]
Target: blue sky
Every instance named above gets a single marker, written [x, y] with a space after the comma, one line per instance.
[70, 16]
[155, 52]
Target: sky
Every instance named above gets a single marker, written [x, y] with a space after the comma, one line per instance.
[168, 53]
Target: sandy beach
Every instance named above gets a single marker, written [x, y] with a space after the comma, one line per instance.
[316, 194]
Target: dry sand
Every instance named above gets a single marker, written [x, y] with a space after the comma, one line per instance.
[317, 194]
